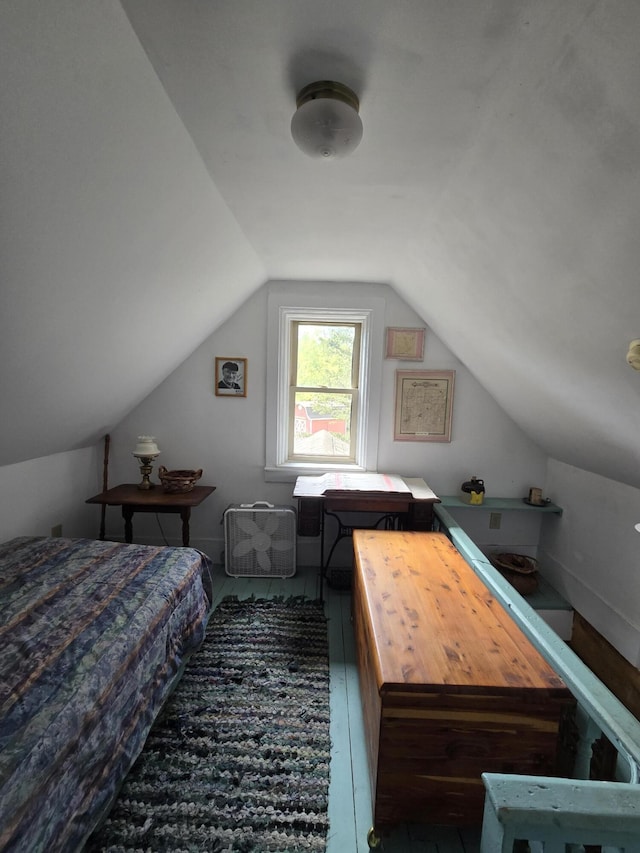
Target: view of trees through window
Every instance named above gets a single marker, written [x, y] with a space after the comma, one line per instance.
[324, 387]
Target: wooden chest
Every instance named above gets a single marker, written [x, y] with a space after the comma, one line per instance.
[451, 687]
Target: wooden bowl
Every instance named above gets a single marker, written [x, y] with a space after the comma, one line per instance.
[180, 480]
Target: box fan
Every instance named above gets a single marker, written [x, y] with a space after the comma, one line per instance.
[260, 540]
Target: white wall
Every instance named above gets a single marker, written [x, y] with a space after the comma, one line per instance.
[226, 436]
[592, 553]
[519, 531]
[42, 493]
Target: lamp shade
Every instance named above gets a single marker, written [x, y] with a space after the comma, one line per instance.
[146, 446]
[326, 124]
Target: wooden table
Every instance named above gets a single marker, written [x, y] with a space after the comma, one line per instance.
[451, 687]
[389, 509]
[132, 500]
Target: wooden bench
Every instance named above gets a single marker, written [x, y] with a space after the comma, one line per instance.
[451, 687]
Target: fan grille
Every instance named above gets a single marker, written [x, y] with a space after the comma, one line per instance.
[260, 542]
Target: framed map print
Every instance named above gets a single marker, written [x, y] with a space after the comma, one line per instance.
[424, 405]
[407, 344]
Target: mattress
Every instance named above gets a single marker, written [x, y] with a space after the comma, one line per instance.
[93, 636]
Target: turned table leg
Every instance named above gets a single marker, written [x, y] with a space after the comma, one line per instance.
[185, 514]
[127, 514]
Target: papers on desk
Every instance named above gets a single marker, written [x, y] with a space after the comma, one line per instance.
[343, 482]
[420, 490]
[307, 487]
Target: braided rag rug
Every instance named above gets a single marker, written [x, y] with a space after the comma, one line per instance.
[239, 758]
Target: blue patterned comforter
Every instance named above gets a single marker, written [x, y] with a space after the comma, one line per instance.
[92, 637]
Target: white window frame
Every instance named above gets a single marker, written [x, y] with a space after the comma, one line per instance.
[322, 303]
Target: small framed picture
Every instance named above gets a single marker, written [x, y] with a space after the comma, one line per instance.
[407, 344]
[231, 377]
[424, 405]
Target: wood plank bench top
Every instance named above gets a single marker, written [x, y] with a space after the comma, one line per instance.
[435, 623]
[561, 812]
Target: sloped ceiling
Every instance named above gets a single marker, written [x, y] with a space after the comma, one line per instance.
[497, 189]
[118, 255]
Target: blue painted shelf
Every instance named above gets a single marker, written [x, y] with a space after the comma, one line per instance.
[498, 504]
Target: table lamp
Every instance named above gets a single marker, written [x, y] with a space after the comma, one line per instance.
[146, 451]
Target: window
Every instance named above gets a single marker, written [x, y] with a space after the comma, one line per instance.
[323, 381]
[323, 391]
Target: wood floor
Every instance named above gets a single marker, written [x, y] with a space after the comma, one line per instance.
[349, 794]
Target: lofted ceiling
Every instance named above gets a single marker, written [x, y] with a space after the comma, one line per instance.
[497, 186]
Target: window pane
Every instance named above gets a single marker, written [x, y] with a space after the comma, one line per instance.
[322, 424]
[325, 356]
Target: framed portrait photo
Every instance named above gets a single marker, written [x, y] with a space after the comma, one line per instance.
[424, 405]
[231, 377]
[406, 344]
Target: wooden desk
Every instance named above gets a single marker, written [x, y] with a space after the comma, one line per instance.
[392, 510]
[451, 687]
[132, 499]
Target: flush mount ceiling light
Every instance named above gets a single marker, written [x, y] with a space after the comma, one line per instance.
[326, 124]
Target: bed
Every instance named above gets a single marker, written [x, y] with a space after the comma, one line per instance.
[93, 637]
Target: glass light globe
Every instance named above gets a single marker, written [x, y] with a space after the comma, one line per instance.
[326, 124]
